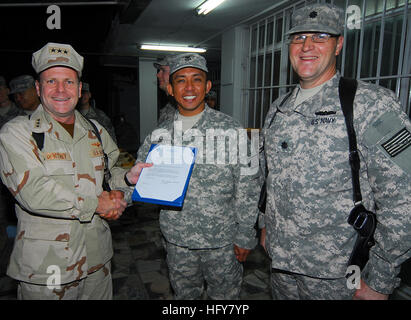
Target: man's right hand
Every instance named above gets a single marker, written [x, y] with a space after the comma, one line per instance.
[111, 204]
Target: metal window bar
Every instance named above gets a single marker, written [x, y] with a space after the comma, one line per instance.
[256, 71]
[359, 62]
[401, 57]
[263, 75]
[258, 53]
[380, 49]
[272, 57]
[374, 31]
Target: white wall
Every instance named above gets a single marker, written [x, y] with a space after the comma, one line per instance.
[148, 97]
[234, 55]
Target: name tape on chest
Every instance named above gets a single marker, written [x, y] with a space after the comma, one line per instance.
[398, 143]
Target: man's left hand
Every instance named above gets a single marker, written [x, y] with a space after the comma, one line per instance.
[366, 293]
[240, 253]
[134, 173]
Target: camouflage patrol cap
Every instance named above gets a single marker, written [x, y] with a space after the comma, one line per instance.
[21, 83]
[188, 60]
[3, 81]
[318, 18]
[57, 54]
[162, 62]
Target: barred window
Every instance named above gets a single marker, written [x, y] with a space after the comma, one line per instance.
[378, 50]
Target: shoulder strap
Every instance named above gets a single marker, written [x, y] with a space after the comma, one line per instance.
[280, 104]
[347, 89]
[95, 130]
[38, 137]
[107, 174]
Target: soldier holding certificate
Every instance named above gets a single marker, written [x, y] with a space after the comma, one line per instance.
[214, 232]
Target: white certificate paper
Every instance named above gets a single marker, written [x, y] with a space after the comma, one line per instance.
[167, 180]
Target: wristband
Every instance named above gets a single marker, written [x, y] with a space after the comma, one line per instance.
[127, 182]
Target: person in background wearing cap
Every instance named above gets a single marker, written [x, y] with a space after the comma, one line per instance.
[63, 246]
[309, 183]
[8, 110]
[163, 75]
[211, 99]
[88, 110]
[24, 90]
[214, 232]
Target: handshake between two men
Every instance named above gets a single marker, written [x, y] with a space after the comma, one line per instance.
[111, 204]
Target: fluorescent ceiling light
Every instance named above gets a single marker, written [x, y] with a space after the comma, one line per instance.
[207, 6]
[172, 48]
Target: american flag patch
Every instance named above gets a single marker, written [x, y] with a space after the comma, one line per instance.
[398, 143]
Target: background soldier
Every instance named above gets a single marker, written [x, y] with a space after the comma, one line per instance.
[309, 183]
[163, 75]
[25, 95]
[211, 99]
[8, 110]
[88, 109]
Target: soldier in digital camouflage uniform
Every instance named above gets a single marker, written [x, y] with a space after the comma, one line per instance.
[214, 231]
[24, 90]
[87, 109]
[63, 245]
[163, 73]
[309, 182]
[8, 110]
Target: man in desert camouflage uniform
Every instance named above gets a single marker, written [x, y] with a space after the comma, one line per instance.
[24, 90]
[214, 231]
[63, 245]
[309, 182]
[87, 109]
[8, 110]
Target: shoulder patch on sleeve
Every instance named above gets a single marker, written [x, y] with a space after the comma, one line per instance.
[390, 135]
[398, 143]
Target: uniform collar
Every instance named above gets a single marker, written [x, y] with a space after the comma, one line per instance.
[42, 121]
[328, 91]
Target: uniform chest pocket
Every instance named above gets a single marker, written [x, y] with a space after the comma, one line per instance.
[59, 167]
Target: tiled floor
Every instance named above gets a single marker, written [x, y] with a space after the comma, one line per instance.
[139, 269]
[140, 272]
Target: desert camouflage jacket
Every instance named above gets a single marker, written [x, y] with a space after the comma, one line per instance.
[56, 190]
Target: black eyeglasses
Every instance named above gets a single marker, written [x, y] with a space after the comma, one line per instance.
[316, 37]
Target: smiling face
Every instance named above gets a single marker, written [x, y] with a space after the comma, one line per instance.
[315, 63]
[59, 90]
[189, 87]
